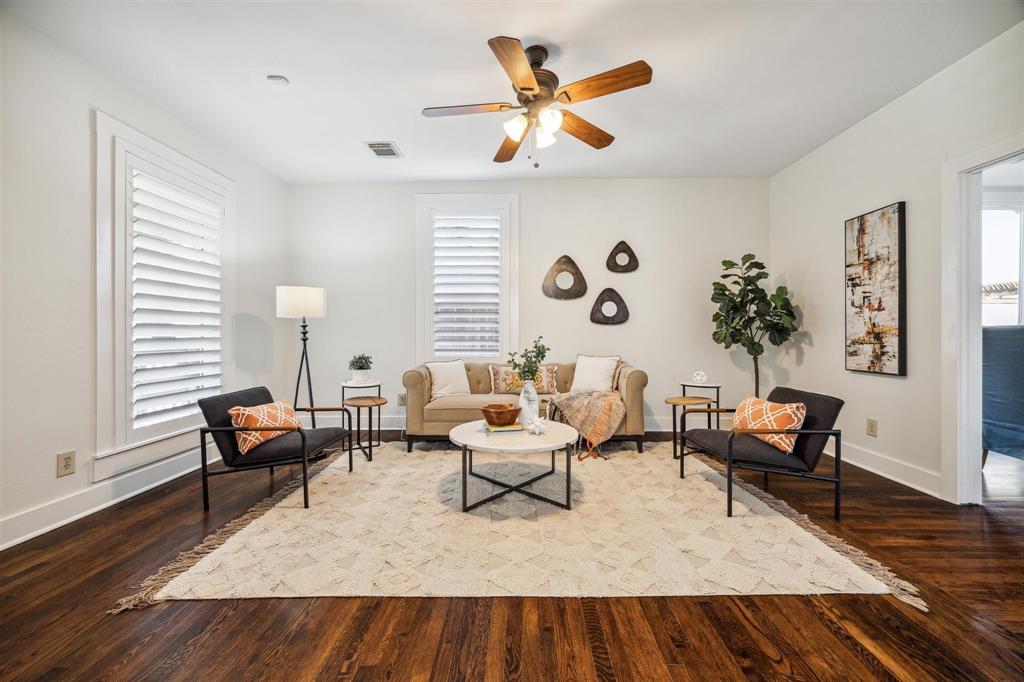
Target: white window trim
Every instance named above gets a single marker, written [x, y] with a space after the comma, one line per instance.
[504, 205]
[115, 141]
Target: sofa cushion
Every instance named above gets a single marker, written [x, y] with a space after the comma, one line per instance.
[277, 413]
[754, 413]
[504, 379]
[744, 449]
[290, 445]
[466, 408]
[215, 411]
[448, 378]
[595, 373]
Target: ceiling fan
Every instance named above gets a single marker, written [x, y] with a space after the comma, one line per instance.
[537, 91]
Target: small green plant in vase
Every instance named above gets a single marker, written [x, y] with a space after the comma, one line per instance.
[361, 365]
[526, 364]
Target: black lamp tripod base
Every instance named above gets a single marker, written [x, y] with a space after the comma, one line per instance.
[304, 363]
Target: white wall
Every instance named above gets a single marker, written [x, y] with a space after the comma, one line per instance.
[894, 155]
[358, 240]
[48, 252]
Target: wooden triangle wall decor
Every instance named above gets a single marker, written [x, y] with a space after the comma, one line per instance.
[579, 283]
[630, 265]
[621, 314]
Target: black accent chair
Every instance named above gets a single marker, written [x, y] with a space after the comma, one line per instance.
[741, 450]
[297, 447]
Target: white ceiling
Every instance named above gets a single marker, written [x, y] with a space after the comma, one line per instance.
[739, 89]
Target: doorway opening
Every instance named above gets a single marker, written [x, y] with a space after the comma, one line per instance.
[1002, 332]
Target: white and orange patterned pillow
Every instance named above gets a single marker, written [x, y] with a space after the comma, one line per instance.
[504, 379]
[272, 414]
[754, 413]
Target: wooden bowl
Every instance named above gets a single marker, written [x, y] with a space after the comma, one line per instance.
[500, 414]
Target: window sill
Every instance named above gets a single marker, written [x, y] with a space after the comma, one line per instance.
[121, 460]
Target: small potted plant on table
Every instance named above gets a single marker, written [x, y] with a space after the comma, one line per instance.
[526, 366]
[360, 366]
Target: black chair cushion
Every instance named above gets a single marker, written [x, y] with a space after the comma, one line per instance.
[215, 411]
[744, 449]
[822, 413]
[290, 446]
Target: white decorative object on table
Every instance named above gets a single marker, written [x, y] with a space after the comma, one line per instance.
[535, 426]
[529, 403]
[699, 377]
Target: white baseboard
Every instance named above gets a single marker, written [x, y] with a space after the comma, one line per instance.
[27, 524]
[923, 480]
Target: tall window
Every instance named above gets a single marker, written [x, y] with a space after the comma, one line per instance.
[175, 293]
[161, 220]
[467, 286]
[467, 295]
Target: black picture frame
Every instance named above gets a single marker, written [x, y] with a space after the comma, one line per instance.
[901, 291]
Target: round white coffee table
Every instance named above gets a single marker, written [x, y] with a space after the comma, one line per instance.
[473, 438]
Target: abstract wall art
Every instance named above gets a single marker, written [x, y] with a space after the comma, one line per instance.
[876, 305]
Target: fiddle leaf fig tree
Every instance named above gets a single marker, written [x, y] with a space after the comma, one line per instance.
[747, 314]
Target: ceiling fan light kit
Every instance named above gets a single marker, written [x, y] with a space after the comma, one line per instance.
[537, 89]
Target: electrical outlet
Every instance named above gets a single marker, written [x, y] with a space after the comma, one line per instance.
[65, 463]
[402, 397]
[872, 429]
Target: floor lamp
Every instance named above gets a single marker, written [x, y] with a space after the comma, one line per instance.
[304, 303]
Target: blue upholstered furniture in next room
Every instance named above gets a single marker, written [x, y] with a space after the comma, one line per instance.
[1002, 406]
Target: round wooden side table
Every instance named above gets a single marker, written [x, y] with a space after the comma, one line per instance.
[369, 402]
[362, 385]
[686, 401]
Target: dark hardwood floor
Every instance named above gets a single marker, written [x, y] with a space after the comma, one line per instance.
[968, 563]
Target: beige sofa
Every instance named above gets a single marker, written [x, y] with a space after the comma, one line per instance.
[427, 419]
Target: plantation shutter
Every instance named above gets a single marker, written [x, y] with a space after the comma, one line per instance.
[467, 287]
[175, 297]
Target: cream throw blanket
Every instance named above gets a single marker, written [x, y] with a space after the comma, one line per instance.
[595, 414]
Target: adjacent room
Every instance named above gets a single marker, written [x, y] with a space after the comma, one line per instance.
[490, 341]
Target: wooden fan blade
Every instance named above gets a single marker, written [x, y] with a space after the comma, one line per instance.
[432, 112]
[512, 57]
[509, 147]
[585, 131]
[623, 78]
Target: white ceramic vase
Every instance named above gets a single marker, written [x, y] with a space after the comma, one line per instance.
[360, 375]
[529, 404]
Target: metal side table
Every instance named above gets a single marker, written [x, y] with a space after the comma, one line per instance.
[369, 384]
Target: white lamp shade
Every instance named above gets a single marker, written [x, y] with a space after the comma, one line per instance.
[308, 302]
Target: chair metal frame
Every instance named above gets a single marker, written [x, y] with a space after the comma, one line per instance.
[302, 458]
[730, 465]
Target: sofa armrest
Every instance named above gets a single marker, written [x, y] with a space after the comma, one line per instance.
[632, 382]
[417, 389]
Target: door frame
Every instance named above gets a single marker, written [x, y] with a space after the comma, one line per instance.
[960, 335]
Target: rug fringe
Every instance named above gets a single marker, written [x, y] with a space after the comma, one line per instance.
[900, 588]
[148, 588]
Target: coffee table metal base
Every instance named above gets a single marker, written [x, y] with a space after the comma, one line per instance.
[467, 470]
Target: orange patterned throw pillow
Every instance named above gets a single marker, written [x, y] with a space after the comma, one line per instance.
[272, 414]
[754, 413]
[504, 379]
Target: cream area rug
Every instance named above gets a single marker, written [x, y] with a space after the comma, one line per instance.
[393, 527]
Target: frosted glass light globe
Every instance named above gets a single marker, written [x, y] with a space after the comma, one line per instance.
[550, 120]
[545, 139]
[515, 127]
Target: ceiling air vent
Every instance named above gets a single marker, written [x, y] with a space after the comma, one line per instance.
[385, 150]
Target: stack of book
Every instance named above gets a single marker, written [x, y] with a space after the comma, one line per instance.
[511, 428]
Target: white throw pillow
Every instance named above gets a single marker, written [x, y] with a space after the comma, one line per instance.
[594, 373]
[448, 378]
